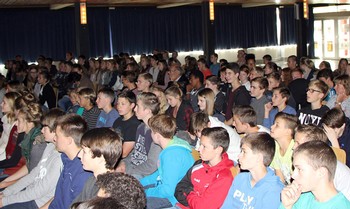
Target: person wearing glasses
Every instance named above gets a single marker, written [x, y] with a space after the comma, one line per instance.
[315, 94]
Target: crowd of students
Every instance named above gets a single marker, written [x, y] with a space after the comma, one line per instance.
[157, 134]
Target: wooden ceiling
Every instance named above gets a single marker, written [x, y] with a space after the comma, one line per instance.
[159, 3]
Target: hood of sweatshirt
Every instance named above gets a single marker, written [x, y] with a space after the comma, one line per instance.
[177, 142]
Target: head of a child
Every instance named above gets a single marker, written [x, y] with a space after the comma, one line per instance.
[87, 98]
[144, 81]
[256, 72]
[284, 126]
[105, 98]
[29, 117]
[174, 96]
[198, 121]
[314, 164]
[316, 91]
[258, 86]
[274, 80]
[206, 99]
[280, 96]
[101, 147]
[305, 133]
[335, 119]
[162, 126]
[213, 143]
[342, 85]
[326, 76]
[244, 74]
[8, 105]
[159, 92]
[212, 82]
[196, 79]
[297, 73]
[48, 123]
[123, 187]
[257, 151]
[147, 105]
[244, 117]
[69, 128]
[73, 96]
[126, 103]
[232, 73]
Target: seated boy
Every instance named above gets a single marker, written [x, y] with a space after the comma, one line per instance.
[313, 187]
[206, 184]
[101, 150]
[108, 114]
[174, 161]
[142, 161]
[260, 187]
[316, 92]
[279, 104]
[283, 132]
[258, 87]
[127, 124]
[244, 120]
[305, 133]
[69, 129]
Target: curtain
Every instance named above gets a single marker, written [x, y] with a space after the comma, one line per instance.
[31, 32]
[98, 23]
[141, 29]
[237, 27]
[288, 33]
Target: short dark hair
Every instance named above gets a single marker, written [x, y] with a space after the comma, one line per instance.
[128, 95]
[198, 74]
[325, 73]
[104, 142]
[334, 118]
[123, 187]
[198, 121]
[246, 114]
[233, 67]
[218, 137]
[267, 57]
[72, 125]
[319, 155]
[263, 143]
[108, 92]
[98, 203]
[285, 93]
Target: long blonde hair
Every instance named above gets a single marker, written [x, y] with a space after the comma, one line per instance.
[209, 97]
[11, 97]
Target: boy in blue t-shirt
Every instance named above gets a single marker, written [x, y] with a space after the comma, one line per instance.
[173, 163]
[109, 114]
[259, 188]
[313, 187]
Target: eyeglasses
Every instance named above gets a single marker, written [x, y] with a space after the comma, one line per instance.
[313, 90]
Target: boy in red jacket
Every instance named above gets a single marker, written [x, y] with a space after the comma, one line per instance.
[206, 184]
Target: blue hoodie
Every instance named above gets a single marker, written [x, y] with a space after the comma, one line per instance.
[264, 195]
[173, 163]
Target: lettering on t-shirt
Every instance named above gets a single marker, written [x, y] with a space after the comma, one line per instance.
[309, 119]
[243, 198]
[139, 155]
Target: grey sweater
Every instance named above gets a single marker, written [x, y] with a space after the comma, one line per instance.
[40, 183]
